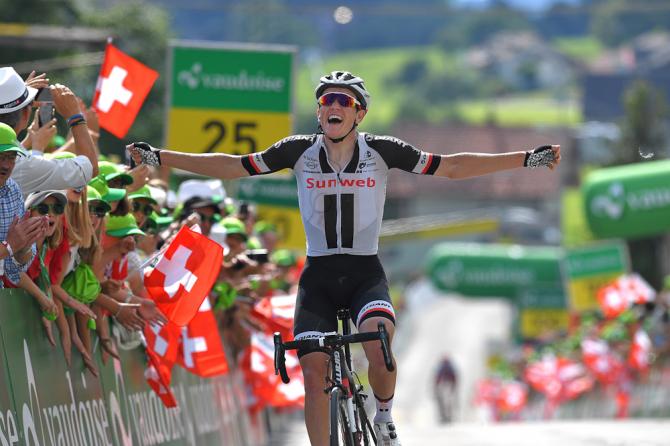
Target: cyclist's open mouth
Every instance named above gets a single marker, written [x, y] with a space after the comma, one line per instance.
[334, 119]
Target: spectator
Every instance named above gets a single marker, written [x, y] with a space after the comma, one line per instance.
[33, 172]
[18, 232]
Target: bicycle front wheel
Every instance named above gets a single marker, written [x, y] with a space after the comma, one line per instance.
[340, 434]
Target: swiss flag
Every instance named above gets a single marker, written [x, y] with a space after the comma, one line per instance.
[275, 314]
[123, 84]
[200, 349]
[158, 376]
[613, 301]
[163, 341]
[639, 356]
[184, 276]
[257, 363]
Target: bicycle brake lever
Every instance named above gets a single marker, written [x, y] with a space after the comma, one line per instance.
[280, 360]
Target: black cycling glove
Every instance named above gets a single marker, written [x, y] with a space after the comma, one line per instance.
[541, 156]
[151, 156]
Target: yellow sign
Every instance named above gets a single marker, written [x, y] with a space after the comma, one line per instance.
[536, 322]
[583, 291]
[234, 132]
[288, 223]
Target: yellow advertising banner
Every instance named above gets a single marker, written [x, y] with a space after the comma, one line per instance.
[536, 322]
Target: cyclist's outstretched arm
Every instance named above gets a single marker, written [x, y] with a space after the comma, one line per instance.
[467, 165]
[217, 165]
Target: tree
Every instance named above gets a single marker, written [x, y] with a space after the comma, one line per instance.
[617, 21]
[643, 130]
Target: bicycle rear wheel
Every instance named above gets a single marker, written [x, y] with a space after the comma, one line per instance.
[340, 434]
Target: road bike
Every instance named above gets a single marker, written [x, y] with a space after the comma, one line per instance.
[349, 422]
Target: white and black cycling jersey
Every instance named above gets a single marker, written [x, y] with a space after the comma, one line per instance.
[341, 210]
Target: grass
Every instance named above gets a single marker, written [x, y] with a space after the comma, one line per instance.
[583, 49]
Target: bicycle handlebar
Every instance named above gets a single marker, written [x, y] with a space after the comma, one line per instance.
[334, 340]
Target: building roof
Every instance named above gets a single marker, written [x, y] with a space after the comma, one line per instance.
[518, 184]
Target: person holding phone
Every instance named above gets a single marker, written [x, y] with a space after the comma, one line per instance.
[33, 172]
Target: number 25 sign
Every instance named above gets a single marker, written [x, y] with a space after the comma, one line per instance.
[232, 99]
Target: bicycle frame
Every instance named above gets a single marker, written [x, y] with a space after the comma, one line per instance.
[337, 347]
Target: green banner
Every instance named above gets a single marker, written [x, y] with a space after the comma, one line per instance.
[595, 260]
[44, 402]
[271, 191]
[489, 270]
[629, 201]
[217, 77]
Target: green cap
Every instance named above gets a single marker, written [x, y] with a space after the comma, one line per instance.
[107, 193]
[254, 243]
[56, 141]
[121, 226]
[161, 220]
[60, 155]
[263, 226]
[93, 195]
[283, 257]
[8, 141]
[111, 171]
[234, 225]
[143, 192]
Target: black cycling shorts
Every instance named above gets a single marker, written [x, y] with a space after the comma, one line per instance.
[329, 283]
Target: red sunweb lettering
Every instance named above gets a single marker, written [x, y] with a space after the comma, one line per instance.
[312, 183]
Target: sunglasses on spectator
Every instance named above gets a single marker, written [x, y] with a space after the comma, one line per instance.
[55, 208]
[343, 99]
[209, 218]
[146, 209]
[78, 190]
[98, 211]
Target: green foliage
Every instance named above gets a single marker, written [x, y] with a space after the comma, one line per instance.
[643, 129]
[476, 27]
[617, 21]
[142, 31]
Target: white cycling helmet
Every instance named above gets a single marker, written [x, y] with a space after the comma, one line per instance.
[347, 80]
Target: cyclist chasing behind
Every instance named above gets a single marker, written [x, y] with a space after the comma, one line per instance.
[341, 176]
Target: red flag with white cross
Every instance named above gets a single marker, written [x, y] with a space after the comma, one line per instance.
[184, 275]
[158, 376]
[200, 349]
[163, 341]
[123, 85]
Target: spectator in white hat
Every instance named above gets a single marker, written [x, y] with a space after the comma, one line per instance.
[33, 173]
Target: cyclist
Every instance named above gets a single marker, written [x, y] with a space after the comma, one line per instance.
[341, 176]
[444, 388]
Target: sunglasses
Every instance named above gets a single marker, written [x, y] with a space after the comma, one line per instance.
[98, 211]
[146, 209]
[209, 218]
[343, 99]
[55, 208]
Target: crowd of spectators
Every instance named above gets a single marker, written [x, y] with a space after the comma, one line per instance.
[77, 229]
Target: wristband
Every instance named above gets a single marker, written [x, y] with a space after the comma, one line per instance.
[76, 123]
[75, 117]
[8, 247]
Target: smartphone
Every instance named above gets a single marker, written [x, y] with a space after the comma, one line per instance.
[45, 114]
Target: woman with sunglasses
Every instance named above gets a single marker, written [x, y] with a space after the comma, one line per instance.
[51, 204]
[341, 176]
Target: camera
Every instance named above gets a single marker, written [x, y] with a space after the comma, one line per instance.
[258, 255]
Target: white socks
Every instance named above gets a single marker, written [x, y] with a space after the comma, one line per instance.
[383, 414]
